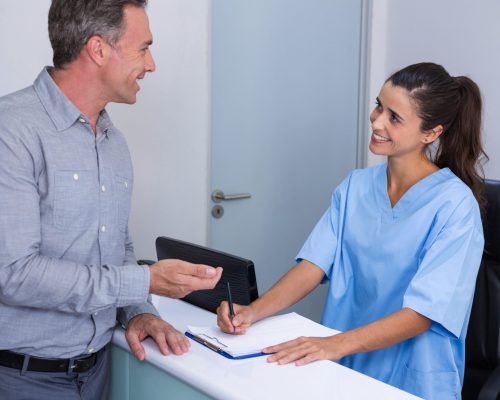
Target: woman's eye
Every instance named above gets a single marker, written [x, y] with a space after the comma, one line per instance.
[394, 119]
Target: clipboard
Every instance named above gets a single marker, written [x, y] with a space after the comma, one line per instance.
[220, 350]
[264, 333]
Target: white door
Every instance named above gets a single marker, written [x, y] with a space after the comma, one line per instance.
[285, 76]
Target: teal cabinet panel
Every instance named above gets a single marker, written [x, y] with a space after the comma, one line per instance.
[119, 381]
[135, 380]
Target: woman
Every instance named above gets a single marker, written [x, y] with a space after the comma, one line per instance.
[401, 244]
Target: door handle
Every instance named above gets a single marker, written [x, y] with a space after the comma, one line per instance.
[218, 196]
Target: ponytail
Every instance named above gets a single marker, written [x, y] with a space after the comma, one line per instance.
[460, 146]
[454, 103]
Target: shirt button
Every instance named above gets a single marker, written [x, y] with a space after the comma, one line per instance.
[103, 188]
[95, 313]
[82, 120]
[103, 228]
[75, 177]
[91, 350]
[126, 184]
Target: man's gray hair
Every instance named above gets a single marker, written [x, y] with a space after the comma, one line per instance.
[73, 22]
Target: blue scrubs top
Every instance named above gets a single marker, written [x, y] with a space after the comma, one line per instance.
[423, 253]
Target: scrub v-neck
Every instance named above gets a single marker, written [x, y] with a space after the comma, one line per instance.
[404, 205]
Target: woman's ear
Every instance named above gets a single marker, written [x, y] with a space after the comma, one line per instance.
[431, 135]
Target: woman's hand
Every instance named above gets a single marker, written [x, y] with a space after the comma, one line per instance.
[292, 287]
[395, 328]
[304, 350]
[243, 318]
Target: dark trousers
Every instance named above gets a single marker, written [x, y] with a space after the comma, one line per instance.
[29, 385]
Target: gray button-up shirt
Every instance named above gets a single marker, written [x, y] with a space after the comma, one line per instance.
[66, 259]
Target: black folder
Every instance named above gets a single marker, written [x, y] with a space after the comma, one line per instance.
[239, 272]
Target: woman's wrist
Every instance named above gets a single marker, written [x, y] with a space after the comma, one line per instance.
[343, 344]
[262, 308]
[256, 311]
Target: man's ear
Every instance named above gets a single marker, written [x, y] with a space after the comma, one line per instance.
[97, 49]
[432, 134]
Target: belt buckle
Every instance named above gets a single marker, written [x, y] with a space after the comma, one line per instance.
[81, 365]
[71, 366]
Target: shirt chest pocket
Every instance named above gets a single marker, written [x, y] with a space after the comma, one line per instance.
[75, 199]
[123, 194]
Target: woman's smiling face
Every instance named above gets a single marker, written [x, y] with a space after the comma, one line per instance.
[395, 124]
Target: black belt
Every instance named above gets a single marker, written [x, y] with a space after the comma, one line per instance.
[80, 364]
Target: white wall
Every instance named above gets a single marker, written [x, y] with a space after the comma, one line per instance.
[24, 43]
[461, 35]
[167, 129]
[377, 70]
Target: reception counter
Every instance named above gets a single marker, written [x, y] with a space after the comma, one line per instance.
[203, 374]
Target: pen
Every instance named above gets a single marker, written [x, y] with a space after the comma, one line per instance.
[230, 301]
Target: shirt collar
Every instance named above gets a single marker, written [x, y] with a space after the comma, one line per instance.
[62, 112]
[104, 122]
[60, 109]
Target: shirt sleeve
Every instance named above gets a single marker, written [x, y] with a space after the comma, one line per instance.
[443, 287]
[320, 247]
[28, 278]
[125, 314]
[129, 249]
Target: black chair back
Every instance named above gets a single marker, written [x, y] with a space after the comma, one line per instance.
[482, 357]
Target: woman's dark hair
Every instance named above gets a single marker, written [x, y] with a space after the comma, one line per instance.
[455, 103]
[72, 23]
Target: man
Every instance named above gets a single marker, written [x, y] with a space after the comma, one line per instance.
[67, 263]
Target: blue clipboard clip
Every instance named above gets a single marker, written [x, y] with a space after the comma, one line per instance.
[219, 350]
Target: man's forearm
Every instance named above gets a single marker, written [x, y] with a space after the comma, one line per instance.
[49, 283]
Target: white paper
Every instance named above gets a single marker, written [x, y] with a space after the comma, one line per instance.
[265, 333]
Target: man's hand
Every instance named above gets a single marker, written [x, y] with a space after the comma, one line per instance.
[165, 335]
[176, 278]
